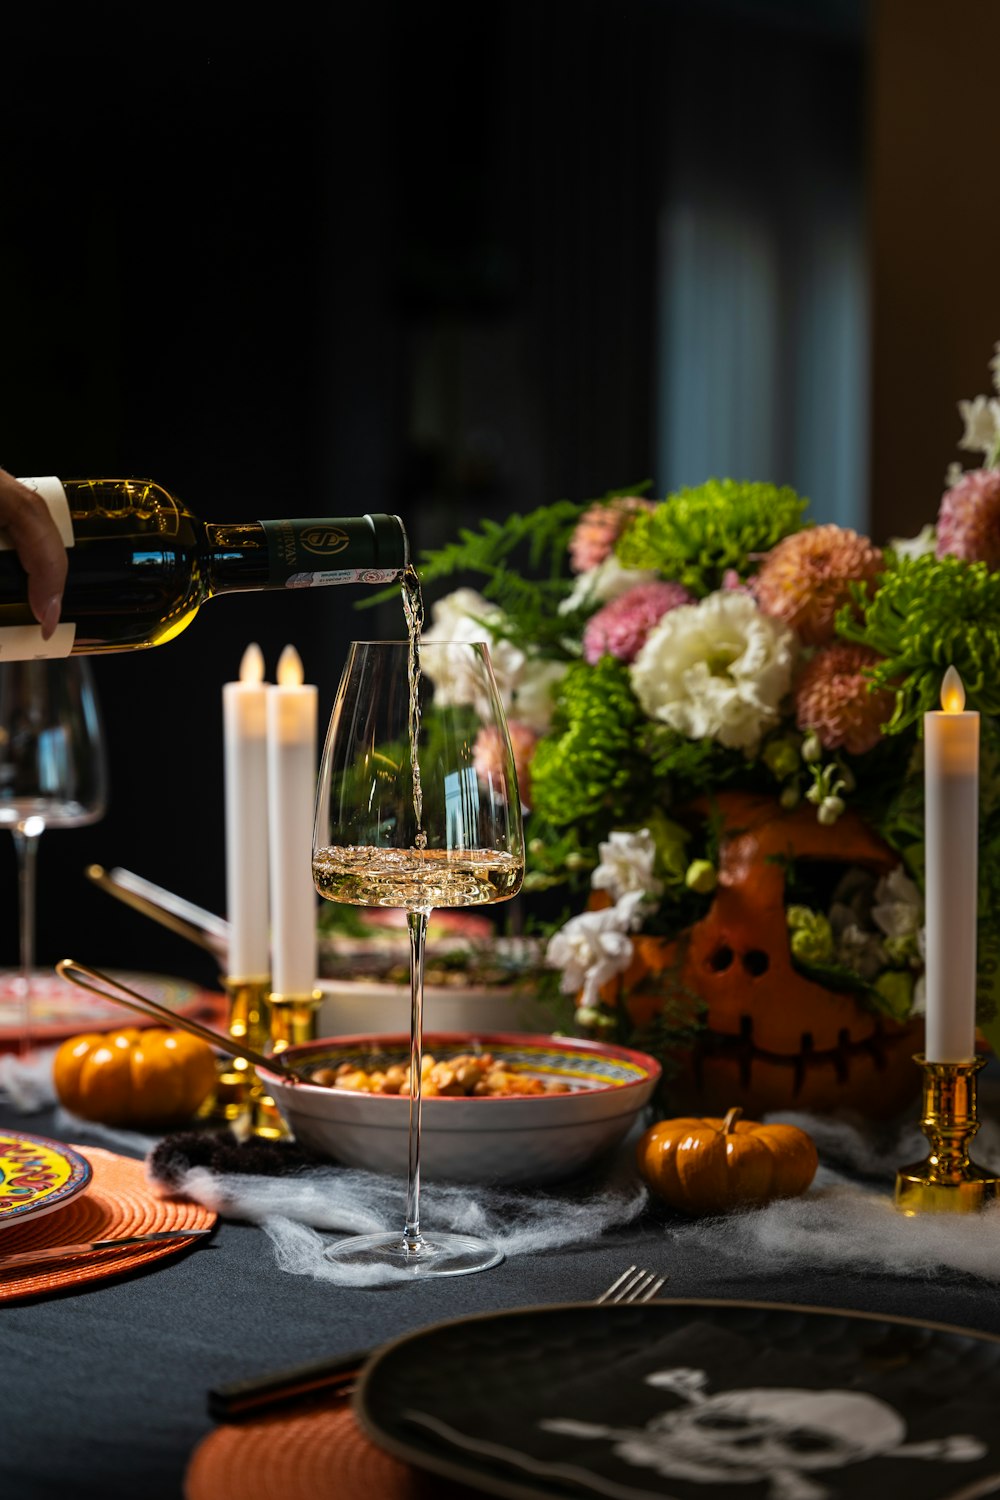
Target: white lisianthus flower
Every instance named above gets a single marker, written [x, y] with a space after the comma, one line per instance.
[898, 910]
[465, 616]
[526, 684]
[859, 950]
[593, 947]
[982, 424]
[626, 864]
[609, 580]
[718, 669]
[915, 546]
[534, 691]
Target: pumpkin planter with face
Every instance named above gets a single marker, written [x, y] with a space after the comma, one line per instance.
[773, 1039]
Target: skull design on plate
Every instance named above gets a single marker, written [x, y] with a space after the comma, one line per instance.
[781, 1435]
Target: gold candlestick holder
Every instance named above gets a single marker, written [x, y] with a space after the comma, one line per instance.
[947, 1181]
[294, 1018]
[241, 1098]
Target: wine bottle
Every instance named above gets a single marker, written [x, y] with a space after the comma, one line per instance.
[141, 565]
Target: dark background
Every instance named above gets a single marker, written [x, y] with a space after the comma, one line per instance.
[331, 260]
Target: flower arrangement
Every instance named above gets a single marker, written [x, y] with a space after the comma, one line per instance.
[653, 654]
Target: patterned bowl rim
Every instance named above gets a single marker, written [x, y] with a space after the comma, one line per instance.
[645, 1068]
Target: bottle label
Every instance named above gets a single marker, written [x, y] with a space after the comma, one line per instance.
[305, 554]
[52, 492]
[342, 575]
[24, 642]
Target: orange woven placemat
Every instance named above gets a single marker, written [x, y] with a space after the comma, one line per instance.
[299, 1455]
[118, 1202]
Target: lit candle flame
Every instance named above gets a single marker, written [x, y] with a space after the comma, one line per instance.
[252, 665]
[952, 692]
[290, 673]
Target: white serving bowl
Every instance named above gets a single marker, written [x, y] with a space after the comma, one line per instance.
[355, 1007]
[507, 1140]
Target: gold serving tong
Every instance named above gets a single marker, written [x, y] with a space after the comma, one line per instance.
[174, 913]
[113, 989]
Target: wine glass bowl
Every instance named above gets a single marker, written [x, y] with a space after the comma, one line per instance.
[417, 807]
[53, 773]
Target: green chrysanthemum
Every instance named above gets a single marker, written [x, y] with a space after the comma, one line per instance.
[695, 535]
[588, 764]
[928, 614]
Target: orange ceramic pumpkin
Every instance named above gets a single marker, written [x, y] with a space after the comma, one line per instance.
[773, 1039]
[708, 1166]
[134, 1077]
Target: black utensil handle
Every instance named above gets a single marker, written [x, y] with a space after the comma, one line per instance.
[245, 1398]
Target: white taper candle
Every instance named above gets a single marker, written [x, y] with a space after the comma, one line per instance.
[244, 711]
[291, 755]
[951, 847]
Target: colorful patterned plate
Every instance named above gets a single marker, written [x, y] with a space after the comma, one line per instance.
[37, 1176]
[515, 1139]
[60, 1009]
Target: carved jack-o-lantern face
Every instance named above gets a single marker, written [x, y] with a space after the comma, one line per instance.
[773, 1039]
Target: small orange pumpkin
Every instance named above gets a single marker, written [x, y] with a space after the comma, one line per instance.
[134, 1077]
[708, 1166]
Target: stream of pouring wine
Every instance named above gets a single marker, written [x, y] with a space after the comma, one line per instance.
[413, 609]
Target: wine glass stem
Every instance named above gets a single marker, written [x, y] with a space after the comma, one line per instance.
[417, 922]
[26, 847]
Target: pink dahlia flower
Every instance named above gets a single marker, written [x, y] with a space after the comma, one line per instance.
[968, 523]
[621, 627]
[488, 754]
[599, 528]
[806, 578]
[834, 699]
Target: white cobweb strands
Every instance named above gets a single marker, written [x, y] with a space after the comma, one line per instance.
[841, 1225]
[294, 1209]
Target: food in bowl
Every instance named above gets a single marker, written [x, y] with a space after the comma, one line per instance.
[504, 1139]
[468, 1075]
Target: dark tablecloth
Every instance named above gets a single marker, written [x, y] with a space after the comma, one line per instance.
[104, 1389]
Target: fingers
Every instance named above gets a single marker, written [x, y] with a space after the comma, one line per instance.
[26, 519]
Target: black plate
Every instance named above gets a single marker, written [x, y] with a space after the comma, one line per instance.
[692, 1399]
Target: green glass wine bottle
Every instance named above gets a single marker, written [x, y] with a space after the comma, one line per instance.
[141, 564]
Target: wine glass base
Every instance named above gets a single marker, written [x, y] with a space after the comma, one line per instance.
[431, 1255]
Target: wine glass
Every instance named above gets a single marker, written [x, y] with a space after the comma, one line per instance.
[53, 774]
[417, 807]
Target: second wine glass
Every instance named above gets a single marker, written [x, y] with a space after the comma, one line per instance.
[53, 774]
[417, 807]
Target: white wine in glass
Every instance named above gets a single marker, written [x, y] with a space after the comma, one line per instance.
[417, 807]
[53, 774]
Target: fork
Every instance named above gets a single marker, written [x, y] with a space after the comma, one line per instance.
[633, 1285]
[336, 1377]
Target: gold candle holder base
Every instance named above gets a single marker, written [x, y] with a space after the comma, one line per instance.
[294, 1018]
[241, 1099]
[947, 1181]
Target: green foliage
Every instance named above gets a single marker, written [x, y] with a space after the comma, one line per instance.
[695, 535]
[335, 919]
[927, 614]
[673, 1030]
[557, 856]
[843, 981]
[588, 769]
[520, 564]
[688, 768]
